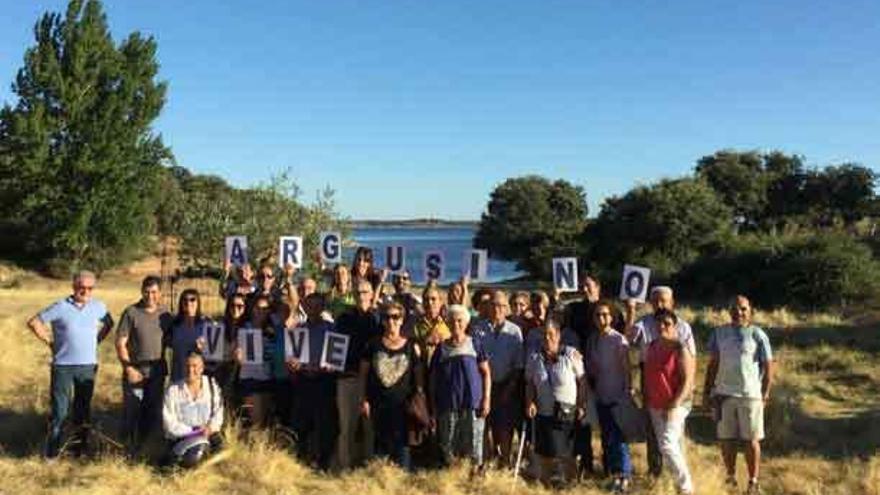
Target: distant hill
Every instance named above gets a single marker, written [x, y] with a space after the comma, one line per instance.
[413, 223]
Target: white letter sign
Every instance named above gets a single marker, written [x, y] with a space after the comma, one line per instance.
[250, 341]
[215, 342]
[475, 264]
[634, 284]
[236, 250]
[335, 351]
[290, 250]
[296, 344]
[565, 274]
[395, 258]
[434, 261]
[331, 252]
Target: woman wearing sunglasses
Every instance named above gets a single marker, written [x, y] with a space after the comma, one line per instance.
[390, 374]
[187, 332]
[234, 317]
[256, 382]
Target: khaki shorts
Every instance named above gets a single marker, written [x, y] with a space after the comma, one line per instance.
[741, 419]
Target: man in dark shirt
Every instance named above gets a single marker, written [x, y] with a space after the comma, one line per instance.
[139, 345]
[362, 324]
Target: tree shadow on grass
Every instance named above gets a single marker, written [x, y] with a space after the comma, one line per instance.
[830, 375]
[23, 432]
[791, 430]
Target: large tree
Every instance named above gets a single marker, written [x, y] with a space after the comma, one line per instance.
[531, 219]
[663, 225]
[79, 162]
[761, 189]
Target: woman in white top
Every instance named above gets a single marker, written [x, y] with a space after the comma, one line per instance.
[555, 399]
[192, 415]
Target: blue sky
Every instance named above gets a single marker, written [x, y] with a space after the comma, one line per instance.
[411, 109]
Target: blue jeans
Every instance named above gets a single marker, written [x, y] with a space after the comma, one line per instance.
[615, 451]
[143, 404]
[70, 384]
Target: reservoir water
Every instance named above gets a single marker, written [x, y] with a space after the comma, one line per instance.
[452, 241]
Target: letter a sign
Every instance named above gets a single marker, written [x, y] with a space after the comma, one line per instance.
[565, 274]
[634, 284]
[236, 250]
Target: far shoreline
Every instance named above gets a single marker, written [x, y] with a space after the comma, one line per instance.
[415, 223]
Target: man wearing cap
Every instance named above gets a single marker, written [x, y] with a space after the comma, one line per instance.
[640, 334]
[72, 328]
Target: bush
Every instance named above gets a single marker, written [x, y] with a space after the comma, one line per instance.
[811, 272]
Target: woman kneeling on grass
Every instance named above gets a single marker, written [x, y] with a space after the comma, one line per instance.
[556, 399]
[669, 379]
[193, 415]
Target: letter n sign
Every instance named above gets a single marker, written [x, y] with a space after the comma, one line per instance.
[331, 247]
[634, 284]
[565, 274]
[290, 250]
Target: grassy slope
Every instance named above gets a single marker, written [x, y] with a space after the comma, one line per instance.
[823, 425]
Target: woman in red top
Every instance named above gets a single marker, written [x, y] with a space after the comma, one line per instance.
[669, 380]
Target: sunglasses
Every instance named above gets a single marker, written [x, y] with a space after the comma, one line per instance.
[393, 316]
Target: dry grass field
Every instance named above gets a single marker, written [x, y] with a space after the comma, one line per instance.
[823, 423]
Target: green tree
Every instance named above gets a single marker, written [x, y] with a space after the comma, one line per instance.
[842, 193]
[79, 163]
[530, 220]
[212, 210]
[663, 226]
[761, 189]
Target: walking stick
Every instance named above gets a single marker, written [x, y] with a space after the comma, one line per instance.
[519, 454]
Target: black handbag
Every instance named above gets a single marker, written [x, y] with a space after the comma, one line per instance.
[564, 413]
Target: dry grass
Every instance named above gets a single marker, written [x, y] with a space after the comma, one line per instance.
[823, 425]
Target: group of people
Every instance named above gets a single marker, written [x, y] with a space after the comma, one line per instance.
[429, 378]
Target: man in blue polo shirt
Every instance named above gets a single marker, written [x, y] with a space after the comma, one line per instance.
[72, 328]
